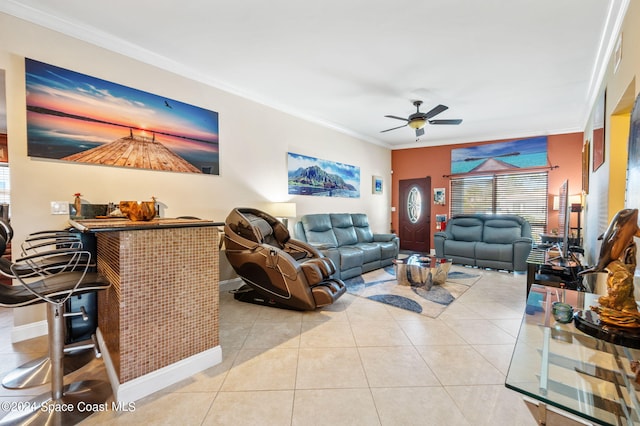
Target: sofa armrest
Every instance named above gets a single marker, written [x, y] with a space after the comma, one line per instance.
[438, 240]
[384, 237]
[525, 240]
[521, 249]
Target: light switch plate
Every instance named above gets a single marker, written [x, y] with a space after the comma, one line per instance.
[59, 207]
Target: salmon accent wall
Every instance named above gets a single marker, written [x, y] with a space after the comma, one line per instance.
[564, 151]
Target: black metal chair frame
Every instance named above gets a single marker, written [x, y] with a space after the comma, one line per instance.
[54, 284]
[43, 255]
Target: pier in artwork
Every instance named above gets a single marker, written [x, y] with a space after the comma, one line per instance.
[135, 151]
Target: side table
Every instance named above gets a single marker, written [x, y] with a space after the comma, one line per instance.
[422, 271]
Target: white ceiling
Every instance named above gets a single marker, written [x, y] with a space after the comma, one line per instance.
[509, 69]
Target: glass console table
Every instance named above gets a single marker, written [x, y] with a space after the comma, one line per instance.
[558, 365]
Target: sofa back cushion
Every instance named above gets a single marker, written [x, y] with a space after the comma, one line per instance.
[343, 229]
[318, 229]
[501, 231]
[361, 225]
[466, 229]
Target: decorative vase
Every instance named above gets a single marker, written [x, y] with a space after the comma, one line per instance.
[138, 210]
[77, 204]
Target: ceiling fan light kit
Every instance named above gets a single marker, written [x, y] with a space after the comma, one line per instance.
[418, 119]
[418, 123]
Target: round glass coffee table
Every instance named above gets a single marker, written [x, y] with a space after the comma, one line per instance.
[422, 271]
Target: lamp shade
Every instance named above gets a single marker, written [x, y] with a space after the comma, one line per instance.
[283, 209]
[573, 199]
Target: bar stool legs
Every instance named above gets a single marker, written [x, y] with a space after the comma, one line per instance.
[64, 405]
[38, 372]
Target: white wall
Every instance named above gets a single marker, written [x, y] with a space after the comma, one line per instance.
[621, 91]
[254, 141]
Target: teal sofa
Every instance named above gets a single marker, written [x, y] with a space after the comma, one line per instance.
[501, 241]
[347, 239]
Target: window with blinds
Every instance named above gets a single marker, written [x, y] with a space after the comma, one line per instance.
[5, 193]
[524, 194]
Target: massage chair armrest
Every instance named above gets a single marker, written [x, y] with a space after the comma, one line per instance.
[302, 247]
[322, 246]
[332, 253]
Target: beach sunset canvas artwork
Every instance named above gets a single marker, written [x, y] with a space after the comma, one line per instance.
[511, 155]
[76, 117]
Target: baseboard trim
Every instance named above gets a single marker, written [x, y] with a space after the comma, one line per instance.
[142, 386]
[29, 331]
[231, 281]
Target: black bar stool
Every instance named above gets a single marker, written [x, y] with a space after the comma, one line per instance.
[53, 282]
[38, 372]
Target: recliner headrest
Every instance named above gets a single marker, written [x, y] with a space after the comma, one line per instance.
[260, 226]
[256, 226]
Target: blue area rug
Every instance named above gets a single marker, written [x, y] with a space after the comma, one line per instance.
[381, 286]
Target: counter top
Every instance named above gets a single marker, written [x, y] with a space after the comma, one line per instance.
[120, 224]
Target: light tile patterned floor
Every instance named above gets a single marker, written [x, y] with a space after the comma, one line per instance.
[357, 362]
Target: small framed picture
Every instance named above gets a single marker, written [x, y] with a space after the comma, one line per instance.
[598, 143]
[376, 185]
[617, 54]
[438, 196]
[585, 166]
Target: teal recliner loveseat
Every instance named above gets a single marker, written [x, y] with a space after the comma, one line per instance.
[347, 239]
[501, 241]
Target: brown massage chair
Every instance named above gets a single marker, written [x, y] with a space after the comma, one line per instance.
[278, 271]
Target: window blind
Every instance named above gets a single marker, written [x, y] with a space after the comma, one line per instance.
[524, 194]
[5, 193]
[472, 195]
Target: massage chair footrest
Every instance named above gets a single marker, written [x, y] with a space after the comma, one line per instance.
[328, 292]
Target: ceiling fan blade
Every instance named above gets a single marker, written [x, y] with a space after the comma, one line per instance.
[435, 111]
[452, 121]
[394, 128]
[419, 132]
[397, 118]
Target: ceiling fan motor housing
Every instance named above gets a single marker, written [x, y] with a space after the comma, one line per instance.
[418, 119]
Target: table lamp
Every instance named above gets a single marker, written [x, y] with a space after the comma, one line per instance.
[283, 211]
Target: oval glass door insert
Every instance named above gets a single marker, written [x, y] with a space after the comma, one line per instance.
[414, 204]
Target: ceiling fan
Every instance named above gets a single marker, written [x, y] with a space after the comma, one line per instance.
[418, 119]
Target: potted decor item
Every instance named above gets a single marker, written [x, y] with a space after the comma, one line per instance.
[139, 210]
[77, 204]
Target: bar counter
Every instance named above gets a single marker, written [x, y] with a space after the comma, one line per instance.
[158, 322]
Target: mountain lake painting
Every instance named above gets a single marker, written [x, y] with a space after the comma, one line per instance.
[522, 153]
[312, 176]
[76, 117]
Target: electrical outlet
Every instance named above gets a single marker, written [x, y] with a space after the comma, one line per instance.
[59, 207]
